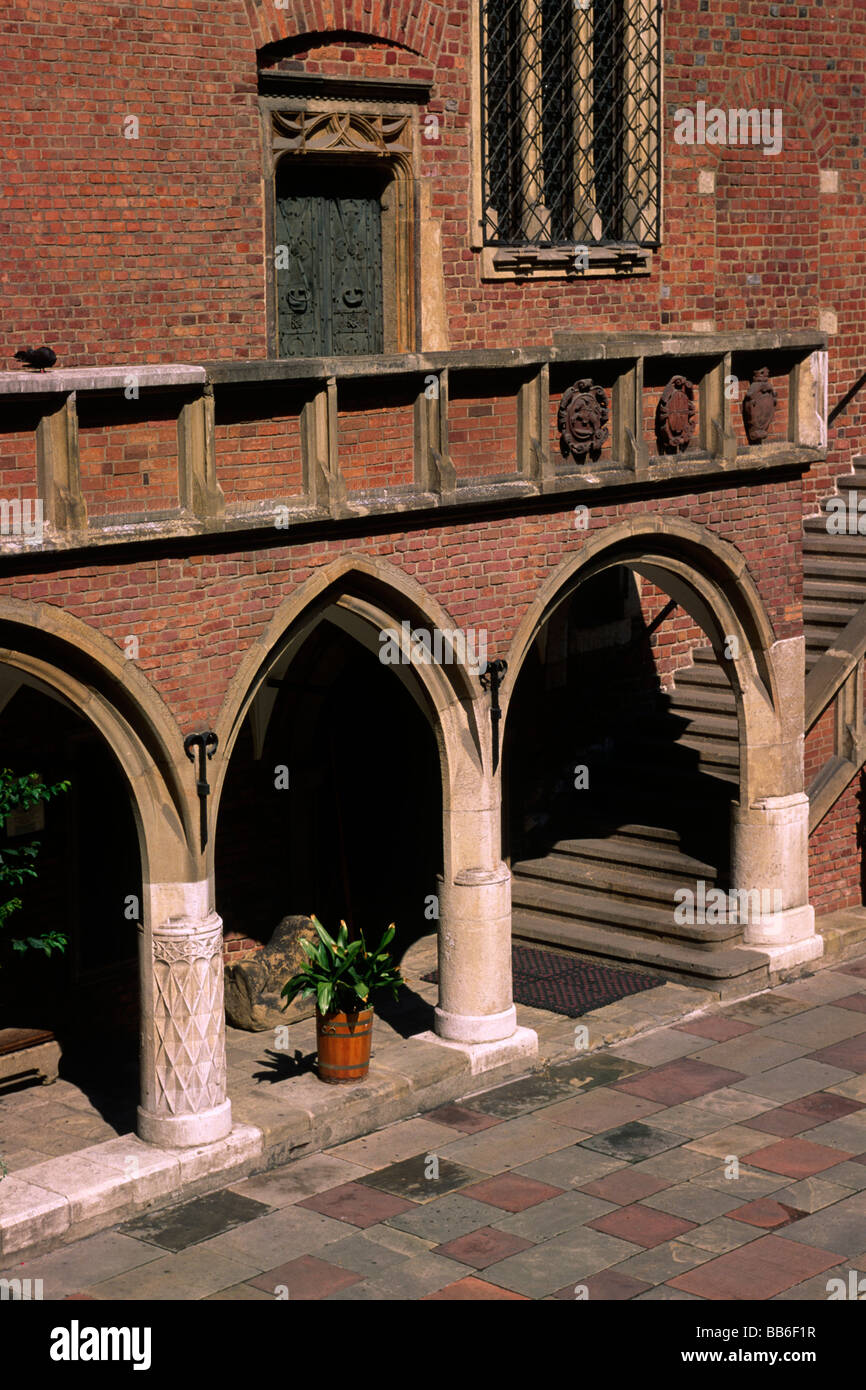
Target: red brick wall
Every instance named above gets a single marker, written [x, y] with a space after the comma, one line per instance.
[375, 445]
[257, 439]
[129, 456]
[18, 453]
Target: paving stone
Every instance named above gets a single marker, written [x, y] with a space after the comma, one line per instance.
[603, 1108]
[284, 1235]
[848, 1134]
[410, 1179]
[783, 1122]
[570, 1167]
[756, 1271]
[679, 1081]
[691, 1121]
[663, 1293]
[305, 1278]
[722, 1235]
[553, 1217]
[664, 1046]
[851, 1175]
[795, 1158]
[356, 1204]
[640, 1224]
[191, 1274]
[599, 1069]
[303, 1178]
[510, 1144]
[821, 988]
[715, 1026]
[195, 1221]
[824, 1106]
[369, 1258]
[633, 1141]
[765, 1213]
[850, 1053]
[71, 1267]
[395, 1143]
[734, 1139]
[855, 1088]
[812, 1194]
[401, 1241]
[818, 1028]
[857, 1002]
[239, 1293]
[754, 1053]
[677, 1165]
[626, 1185]
[766, 1009]
[472, 1290]
[569, 1258]
[816, 1290]
[520, 1097]
[695, 1201]
[748, 1183]
[512, 1192]
[840, 1228]
[364, 1292]
[607, 1286]
[661, 1262]
[422, 1275]
[792, 1080]
[462, 1117]
[444, 1219]
[483, 1247]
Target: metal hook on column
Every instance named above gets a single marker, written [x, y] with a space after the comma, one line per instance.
[206, 741]
[491, 679]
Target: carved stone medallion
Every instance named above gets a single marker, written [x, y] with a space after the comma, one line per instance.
[759, 406]
[675, 416]
[582, 420]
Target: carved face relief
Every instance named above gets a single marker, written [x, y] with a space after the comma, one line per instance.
[759, 406]
[675, 416]
[582, 420]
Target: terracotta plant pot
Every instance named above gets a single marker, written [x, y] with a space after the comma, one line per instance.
[344, 1042]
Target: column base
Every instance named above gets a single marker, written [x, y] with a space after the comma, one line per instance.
[475, 1028]
[795, 953]
[794, 926]
[484, 1056]
[185, 1131]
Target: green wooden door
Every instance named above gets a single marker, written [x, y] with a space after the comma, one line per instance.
[328, 263]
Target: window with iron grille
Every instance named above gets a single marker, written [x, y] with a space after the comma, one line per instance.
[570, 113]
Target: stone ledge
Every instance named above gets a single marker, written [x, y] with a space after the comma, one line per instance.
[60, 380]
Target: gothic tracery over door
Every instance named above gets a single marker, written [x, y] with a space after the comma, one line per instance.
[329, 262]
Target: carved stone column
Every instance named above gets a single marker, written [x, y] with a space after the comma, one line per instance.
[183, 1060]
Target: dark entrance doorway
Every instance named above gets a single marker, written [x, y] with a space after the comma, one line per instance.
[329, 260]
[352, 828]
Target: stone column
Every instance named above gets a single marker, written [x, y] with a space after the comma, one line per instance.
[183, 1060]
[475, 1004]
[770, 863]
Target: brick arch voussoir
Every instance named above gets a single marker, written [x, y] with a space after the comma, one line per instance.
[414, 24]
[766, 86]
[112, 694]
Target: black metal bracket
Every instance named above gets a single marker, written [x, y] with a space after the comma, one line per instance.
[491, 679]
[206, 741]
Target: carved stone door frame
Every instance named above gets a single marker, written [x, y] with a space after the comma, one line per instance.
[375, 134]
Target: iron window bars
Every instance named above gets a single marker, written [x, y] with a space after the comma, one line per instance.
[570, 115]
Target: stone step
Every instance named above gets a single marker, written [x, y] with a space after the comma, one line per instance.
[704, 676]
[573, 903]
[659, 857]
[819, 613]
[828, 588]
[742, 967]
[711, 698]
[626, 884]
[816, 538]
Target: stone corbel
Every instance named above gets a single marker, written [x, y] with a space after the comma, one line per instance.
[434, 469]
[534, 458]
[717, 436]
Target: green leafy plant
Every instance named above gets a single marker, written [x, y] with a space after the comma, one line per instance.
[341, 973]
[20, 793]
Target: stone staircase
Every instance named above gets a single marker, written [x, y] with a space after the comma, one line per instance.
[834, 570]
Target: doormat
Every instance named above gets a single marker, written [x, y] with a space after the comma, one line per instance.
[568, 985]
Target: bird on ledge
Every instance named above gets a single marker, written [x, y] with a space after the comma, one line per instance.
[40, 357]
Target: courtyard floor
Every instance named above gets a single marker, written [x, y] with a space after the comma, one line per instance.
[720, 1157]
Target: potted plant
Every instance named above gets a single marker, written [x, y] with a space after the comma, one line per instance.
[342, 974]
